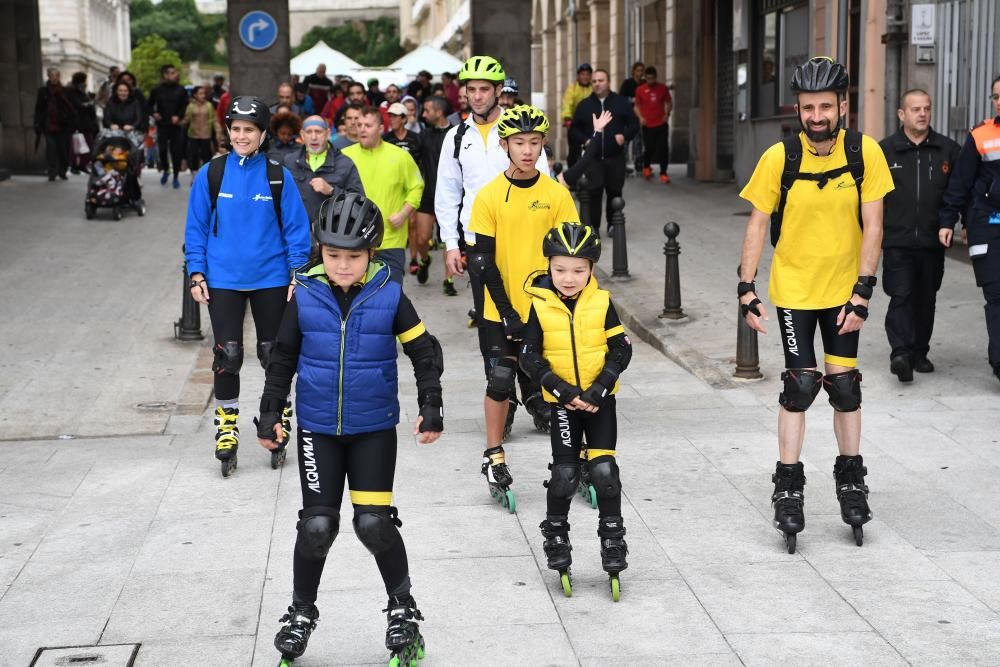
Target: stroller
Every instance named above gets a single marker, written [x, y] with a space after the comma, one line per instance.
[114, 174]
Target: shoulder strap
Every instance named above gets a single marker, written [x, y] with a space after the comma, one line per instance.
[463, 127]
[855, 163]
[276, 179]
[215, 170]
[789, 174]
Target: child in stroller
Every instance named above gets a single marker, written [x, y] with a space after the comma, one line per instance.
[114, 174]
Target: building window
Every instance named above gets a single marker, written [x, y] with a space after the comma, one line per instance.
[781, 43]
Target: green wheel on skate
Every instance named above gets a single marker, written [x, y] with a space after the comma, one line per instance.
[510, 501]
[616, 588]
[567, 585]
[394, 662]
[593, 496]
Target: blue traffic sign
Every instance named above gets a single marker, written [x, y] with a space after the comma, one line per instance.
[258, 30]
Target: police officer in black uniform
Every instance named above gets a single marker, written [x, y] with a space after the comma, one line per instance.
[921, 161]
[975, 191]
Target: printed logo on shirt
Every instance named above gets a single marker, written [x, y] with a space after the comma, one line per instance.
[260, 197]
[225, 195]
[895, 165]
[538, 205]
[945, 167]
[843, 185]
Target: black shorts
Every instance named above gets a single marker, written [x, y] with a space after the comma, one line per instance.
[568, 427]
[493, 342]
[427, 202]
[798, 328]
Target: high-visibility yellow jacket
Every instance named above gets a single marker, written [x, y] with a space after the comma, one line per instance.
[574, 94]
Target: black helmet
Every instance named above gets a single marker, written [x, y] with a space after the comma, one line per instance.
[571, 239]
[349, 220]
[819, 74]
[249, 108]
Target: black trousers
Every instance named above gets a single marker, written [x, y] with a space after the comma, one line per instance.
[575, 150]
[227, 310]
[606, 175]
[566, 435]
[199, 153]
[367, 462]
[911, 277]
[57, 152]
[987, 270]
[656, 141]
[170, 141]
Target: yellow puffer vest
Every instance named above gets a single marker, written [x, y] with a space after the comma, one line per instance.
[575, 344]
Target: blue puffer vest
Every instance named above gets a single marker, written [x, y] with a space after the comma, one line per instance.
[347, 380]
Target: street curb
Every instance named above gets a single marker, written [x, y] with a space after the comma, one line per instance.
[656, 332]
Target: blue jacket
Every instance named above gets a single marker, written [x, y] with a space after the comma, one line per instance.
[347, 381]
[243, 248]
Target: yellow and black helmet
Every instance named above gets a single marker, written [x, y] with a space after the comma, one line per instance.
[520, 119]
[482, 68]
[571, 239]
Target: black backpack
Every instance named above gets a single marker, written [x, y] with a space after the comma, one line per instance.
[463, 127]
[793, 160]
[275, 178]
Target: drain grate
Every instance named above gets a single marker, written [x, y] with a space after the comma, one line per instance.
[112, 655]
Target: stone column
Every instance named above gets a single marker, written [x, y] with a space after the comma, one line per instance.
[599, 32]
[503, 29]
[254, 72]
[21, 77]
[618, 67]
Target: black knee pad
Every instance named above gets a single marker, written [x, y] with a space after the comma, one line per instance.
[228, 357]
[318, 527]
[564, 480]
[604, 477]
[801, 388]
[501, 382]
[844, 390]
[377, 527]
[264, 350]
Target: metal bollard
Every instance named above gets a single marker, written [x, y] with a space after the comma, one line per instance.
[188, 327]
[583, 196]
[747, 356]
[619, 254]
[672, 274]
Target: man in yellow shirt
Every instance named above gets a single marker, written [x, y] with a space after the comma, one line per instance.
[822, 193]
[510, 217]
[392, 180]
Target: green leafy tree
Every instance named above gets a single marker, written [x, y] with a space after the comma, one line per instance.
[185, 29]
[148, 56]
[371, 43]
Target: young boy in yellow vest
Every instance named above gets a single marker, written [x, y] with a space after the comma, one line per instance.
[510, 216]
[575, 347]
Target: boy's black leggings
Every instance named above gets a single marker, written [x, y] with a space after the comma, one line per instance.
[566, 430]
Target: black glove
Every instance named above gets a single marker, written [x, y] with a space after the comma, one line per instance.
[513, 327]
[562, 390]
[595, 394]
[432, 411]
[265, 425]
[858, 309]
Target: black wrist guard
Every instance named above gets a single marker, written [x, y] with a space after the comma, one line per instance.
[750, 308]
[744, 288]
[265, 425]
[864, 291]
[859, 310]
[432, 411]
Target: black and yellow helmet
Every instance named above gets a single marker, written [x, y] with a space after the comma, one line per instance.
[520, 119]
[482, 68]
[571, 239]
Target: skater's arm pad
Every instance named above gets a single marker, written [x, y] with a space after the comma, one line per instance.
[283, 361]
[482, 262]
[619, 346]
[531, 359]
[573, 174]
[423, 349]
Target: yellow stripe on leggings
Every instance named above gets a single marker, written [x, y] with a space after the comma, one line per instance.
[849, 362]
[594, 453]
[383, 498]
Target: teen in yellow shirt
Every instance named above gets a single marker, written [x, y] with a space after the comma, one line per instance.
[510, 217]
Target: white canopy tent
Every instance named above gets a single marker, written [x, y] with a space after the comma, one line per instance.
[426, 57]
[336, 62]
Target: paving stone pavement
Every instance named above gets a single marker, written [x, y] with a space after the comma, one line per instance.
[128, 534]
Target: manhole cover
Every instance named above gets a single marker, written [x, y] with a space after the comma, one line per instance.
[113, 655]
[156, 405]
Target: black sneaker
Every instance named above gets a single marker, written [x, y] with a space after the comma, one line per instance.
[423, 270]
[449, 288]
[901, 368]
[923, 365]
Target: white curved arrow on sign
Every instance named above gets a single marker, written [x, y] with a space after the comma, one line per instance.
[259, 24]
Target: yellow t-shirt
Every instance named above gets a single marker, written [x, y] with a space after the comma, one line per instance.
[484, 130]
[818, 254]
[390, 178]
[518, 219]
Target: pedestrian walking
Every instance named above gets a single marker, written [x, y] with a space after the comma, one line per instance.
[432, 142]
[285, 129]
[607, 173]
[921, 163]
[461, 110]
[106, 89]
[653, 104]
[338, 332]
[392, 180]
[350, 116]
[168, 103]
[974, 191]
[375, 94]
[575, 348]
[286, 99]
[303, 100]
[575, 93]
[204, 135]
[319, 169]
[246, 232]
[510, 216]
[319, 87]
[55, 119]
[627, 90]
[85, 110]
[398, 135]
[821, 192]
[218, 89]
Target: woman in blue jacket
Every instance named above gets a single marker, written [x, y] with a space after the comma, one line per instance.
[339, 335]
[241, 245]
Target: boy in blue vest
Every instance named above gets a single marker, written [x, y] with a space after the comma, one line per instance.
[575, 348]
[339, 335]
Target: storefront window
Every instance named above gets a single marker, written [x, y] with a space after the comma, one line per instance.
[781, 45]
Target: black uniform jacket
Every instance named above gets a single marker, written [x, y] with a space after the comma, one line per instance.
[624, 122]
[920, 173]
[974, 189]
